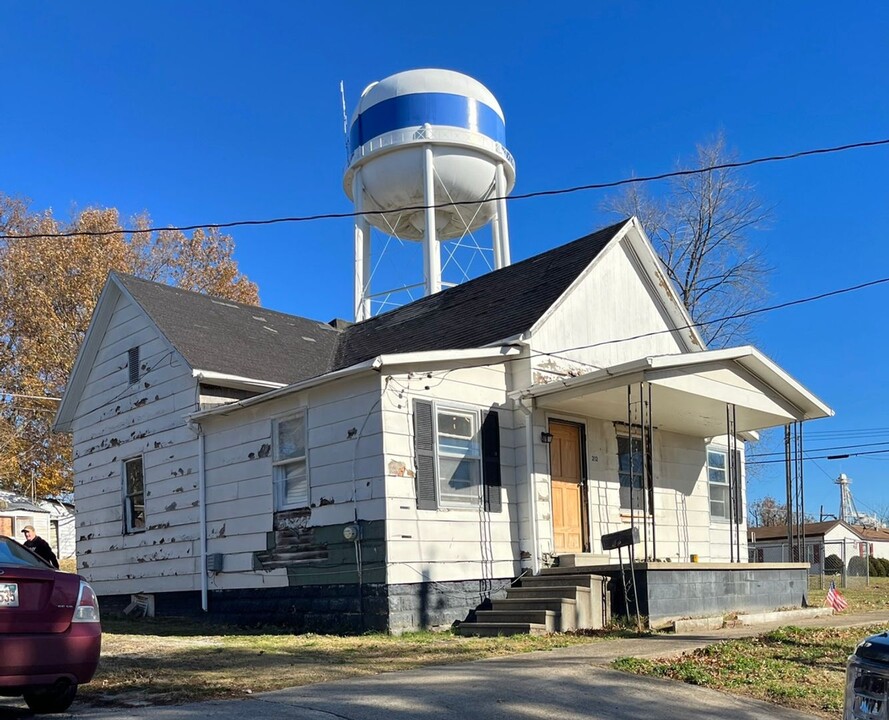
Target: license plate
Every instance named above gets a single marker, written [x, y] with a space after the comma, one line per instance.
[9, 595]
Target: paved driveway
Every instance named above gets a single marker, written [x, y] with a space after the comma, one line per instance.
[564, 684]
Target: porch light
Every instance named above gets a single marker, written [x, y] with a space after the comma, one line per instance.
[546, 438]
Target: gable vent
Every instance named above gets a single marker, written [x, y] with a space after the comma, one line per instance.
[133, 364]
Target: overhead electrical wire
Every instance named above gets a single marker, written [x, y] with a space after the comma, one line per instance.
[508, 198]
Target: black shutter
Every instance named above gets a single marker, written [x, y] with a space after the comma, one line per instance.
[424, 447]
[491, 461]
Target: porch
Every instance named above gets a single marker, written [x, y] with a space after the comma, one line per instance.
[657, 444]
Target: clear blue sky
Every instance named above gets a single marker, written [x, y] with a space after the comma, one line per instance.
[217, 111]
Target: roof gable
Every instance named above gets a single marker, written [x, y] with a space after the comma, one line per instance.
[484, 311]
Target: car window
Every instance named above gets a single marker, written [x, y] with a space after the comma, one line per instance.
[11, 553]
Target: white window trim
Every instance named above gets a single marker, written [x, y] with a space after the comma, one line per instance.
[478, 500]
[719, 519]
[128, 527]
[277, 465]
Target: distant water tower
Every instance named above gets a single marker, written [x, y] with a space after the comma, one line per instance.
[417, 140]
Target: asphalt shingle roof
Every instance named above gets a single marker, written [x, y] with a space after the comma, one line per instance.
[234, 338]
[479, 312]
[249, 341]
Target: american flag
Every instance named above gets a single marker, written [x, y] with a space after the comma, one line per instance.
[835, 599]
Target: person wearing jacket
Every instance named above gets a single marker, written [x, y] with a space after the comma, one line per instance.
[38, 545]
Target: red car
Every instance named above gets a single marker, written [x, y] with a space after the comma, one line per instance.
[50, 633]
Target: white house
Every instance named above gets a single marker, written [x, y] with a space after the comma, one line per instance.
[822, 539]
[397, 472]
[17, 511]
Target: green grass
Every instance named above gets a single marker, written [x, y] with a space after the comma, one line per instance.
[799, 668]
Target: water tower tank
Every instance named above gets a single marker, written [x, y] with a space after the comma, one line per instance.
[422, 138]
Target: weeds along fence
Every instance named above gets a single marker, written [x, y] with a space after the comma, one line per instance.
[850, 564]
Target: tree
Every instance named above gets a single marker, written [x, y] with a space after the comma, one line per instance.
[768, 512]
[700, 228]
[50, 286]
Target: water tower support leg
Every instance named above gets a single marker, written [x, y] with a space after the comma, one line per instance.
[362, 253]
[431, 249]
[501, 234]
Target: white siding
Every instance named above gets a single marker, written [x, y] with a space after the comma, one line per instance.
[449, 543]
[345, 468]
[613, 301]
[115, 421]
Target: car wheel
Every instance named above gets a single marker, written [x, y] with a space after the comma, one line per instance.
[54, 699]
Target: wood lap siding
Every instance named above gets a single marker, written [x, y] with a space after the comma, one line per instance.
[451, 543]
[115, 421]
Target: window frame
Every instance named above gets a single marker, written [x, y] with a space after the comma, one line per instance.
[738, 500]
[279, 464]
[130, 525]
[633, 435]
[446, 500]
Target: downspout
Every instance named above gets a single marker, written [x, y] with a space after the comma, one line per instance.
[532, 490]
[202, 490]
[202, 504]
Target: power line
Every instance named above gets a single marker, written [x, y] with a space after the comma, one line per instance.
[508, 198]
[821, 457]
[824, 449]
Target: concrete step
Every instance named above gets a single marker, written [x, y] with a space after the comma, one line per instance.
[575, 592]
[550, 619]
[581, 580]
[583, 614]
[583, 560]
[493, 629]
[566, 610]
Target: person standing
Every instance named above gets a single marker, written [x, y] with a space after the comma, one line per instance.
[38, 545]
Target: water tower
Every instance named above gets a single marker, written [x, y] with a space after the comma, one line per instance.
[427, 164]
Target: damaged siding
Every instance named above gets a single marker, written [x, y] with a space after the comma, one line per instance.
[448, 544]
[266, 548]
[115, 421]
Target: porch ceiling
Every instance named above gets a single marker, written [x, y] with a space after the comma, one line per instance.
[689, 393]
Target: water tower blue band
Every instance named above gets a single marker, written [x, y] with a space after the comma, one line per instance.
[405, 111]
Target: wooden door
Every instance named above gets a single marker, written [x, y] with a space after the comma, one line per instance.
[566, 468]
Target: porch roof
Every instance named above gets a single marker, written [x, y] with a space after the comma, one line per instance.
[689, 392]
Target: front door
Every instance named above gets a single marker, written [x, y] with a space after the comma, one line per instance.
[566, 468]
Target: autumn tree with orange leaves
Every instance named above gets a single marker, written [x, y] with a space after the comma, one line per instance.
[50, 286]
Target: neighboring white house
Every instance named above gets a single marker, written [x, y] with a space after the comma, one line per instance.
[52, 519]
[17, 511]
[822, 539]
[396, 472]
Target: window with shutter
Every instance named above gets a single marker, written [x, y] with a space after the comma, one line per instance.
[457, 457]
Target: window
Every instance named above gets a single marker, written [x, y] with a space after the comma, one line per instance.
[134, 495]
[458, 457]
[290, 477]
[630, 473]
[718, 480]
[133, 364]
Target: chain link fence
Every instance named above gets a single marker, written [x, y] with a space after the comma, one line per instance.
[850, 564]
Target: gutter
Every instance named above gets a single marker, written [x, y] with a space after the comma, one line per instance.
[243, 383]
[377, 363]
